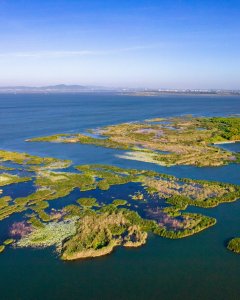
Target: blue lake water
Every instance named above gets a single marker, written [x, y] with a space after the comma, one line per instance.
[196, 267]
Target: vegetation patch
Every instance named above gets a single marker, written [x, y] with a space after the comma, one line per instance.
[99, 232]
[189, 225]
[6, 179]
[119, 202]
[34, 162]
[2, 248]
[8, 242]
[172, 141]
[234, 245]
[138, 196]
[89, 202]
[51, 234]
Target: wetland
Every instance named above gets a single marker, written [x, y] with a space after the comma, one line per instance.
[163, 221]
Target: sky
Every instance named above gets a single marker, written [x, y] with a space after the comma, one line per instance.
[127, 43]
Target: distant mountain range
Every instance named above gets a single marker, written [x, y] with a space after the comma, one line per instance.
[63, 88]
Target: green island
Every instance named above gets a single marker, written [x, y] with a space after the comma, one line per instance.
[172, 141]
[6, 179]
[234, 245]
[87, 202]
[33, 162]
[92, 227]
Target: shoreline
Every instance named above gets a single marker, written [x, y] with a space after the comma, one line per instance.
[226, 142]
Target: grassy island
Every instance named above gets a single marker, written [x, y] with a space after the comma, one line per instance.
[171, 141]
[34, 162]
[234, 245]
[6, 179]
[99, 232]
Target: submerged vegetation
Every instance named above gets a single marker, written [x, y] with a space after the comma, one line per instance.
[173, 141]
[51, 234]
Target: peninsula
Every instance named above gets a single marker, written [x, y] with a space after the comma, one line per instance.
[172, 141]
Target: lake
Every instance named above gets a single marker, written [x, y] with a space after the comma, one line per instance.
[192, 268]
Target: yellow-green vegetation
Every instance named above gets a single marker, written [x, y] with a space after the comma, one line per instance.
[64, 182]
[100, 231]
[92, 233]
[6, 179]
[8, 242]
[73, 210]
[227, 129]
[178, 192]
[5, 168]
[19, 205]
[89, 202]
[135, 237]
[183, 192]
[4, 201]
[34, 162]
[173, 141]
[119, 202]
[90, 228]
[35, 222]
[39, 208]
[234, 245]
[108, 175]
[50, 186]
[191, 224]
[138, 196]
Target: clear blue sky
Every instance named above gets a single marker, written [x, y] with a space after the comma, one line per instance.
[134, 43]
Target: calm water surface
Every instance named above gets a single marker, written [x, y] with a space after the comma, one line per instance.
[198, 267]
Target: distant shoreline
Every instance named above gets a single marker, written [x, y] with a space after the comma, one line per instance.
[81, 89]
[116, 93]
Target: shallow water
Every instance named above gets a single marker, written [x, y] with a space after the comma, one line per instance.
[192, 268]
[234, 147]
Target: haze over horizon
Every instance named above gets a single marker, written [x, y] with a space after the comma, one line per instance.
[180, 44]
